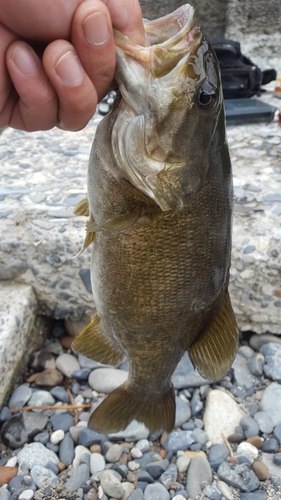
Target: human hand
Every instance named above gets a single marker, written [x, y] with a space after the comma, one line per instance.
[63, 86]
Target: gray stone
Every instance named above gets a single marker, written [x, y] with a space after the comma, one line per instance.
[114, 453]
[242, 374]
[62, 421]
[143, 445]
[185, 375]
[212, 492]
[156, 491]
[110, 484]
[238, 476]
[270, 445]
[20, 396]
[179, 440]
[85, 362]
[26, 495]
[249, 426]
[137, 494]
[183, 412]
[41, 398]
[277, 459]
[5, 494]
[134, 432]
[42, 476]
[169, 477]
[256, 341]
[272, 355]
[217, 454]
[255, 364]
[271, 402]
[200, 435]
[257, 495]
[264, 422]
[78, 478]
[107, 379]
[156, 468]
[199, 475]
[87, 437]
[34, 423]
[66, 450]
[79, 451]
[42, 437]
[144, 476]
[97, 463]
[67, 363]
[13, 432]
[277, 433]
[60, 394]
[36, 454]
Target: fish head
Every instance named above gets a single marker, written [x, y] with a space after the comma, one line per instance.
[171, 102]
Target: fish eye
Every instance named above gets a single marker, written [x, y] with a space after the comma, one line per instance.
[206, 96]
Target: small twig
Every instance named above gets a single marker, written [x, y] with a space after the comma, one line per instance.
[76, 416]
[228, 445]
[52, 407]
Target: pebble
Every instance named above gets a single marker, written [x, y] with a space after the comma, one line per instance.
[156, 468]
[144, 445]
[156, 491]
[218, 453]
[97, 463]
[6, 474]
[183, 463]
[270, 445]
[272, 355]
[87, 437]
[107, 379]
[20, 396]
[256, 364]
[111, 484]
[249, 426]
[255, 441]
[225, 490]
[66, 450]
[222, 415]
[134, 432]
[26, 495]
[78, 477]
[271, 402]
[67, 363]
[239, 476]
[49, 378]
[277, 433]
[42, 475]
[260, 470]
[179, 440]
[78, 453]
[57, 436]
[41, 398]
[60, 394]
[248, 449]
[257, 495]
[114, 453]
[36, 454]
[186, 376]
[264, 422]
[62, 421]
[183, 412]
[169, 477]
[277, 459]
[198, 473]
[4, 494]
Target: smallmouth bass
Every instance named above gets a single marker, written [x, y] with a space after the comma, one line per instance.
[160, 208]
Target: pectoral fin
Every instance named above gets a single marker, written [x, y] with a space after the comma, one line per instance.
[82, 208]
[115, 224]
[92, 343]
[214, 350]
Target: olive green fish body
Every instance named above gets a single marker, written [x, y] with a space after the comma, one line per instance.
[160, 204]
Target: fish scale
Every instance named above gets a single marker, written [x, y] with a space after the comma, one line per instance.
[160, 229]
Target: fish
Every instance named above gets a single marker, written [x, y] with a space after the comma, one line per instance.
[159, 204]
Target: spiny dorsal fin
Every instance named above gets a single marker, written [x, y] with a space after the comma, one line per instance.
[124, 405]
[92, 343]
[214, 350]
[82, 208]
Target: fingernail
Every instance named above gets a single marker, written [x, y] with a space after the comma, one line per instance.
[95, 29]
[69, 69]
[25, 59]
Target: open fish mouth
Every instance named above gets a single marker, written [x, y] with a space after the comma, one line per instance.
[159, 85]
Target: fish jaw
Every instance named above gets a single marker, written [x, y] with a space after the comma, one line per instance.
[160, 135]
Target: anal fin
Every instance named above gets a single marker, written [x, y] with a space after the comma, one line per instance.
[92, 343]
[213, 352]
[124, 405]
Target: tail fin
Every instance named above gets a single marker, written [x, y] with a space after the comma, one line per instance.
[123, 405]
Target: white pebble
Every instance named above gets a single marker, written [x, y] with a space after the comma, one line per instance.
[247, 448]
[57, 436]
[26, 495]
[178, 497]
[136, 453]
[12, 462]
[183, 463]
[133, 465]
[79, 400]
[224, 489]
[100, 493]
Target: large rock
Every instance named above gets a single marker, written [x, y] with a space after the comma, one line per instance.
[17, 314]
[221, 417]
